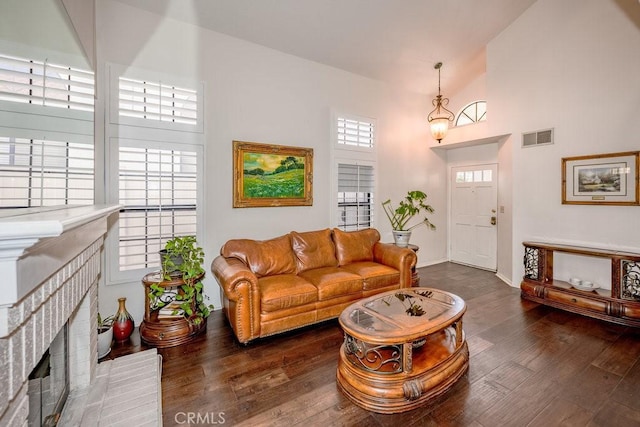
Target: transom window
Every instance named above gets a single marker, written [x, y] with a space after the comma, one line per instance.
[39, 82]
[472, 113]
[355, 133]
[474, 176]
[157, 101]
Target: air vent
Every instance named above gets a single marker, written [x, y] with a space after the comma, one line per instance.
[541, 137]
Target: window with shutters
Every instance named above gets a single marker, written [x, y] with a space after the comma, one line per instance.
[153, 100]
[45, 173]
[157, 151]
[355, 133]
[158, 188]
[46, 134]
[355, 196]
[41, 83]
[157, 101]
[354, 160]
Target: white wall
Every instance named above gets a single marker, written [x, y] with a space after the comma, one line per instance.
[40, 29]
[257, 94]
[571, 65]
[476, 90]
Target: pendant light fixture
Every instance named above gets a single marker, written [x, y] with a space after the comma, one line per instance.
[440, 117]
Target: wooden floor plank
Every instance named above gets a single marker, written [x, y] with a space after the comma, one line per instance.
[564, 413]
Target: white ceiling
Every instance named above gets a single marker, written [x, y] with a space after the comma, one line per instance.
[394, 41]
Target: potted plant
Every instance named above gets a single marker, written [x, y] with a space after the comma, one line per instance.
[182, 258]
[408, 208]
[105, 335]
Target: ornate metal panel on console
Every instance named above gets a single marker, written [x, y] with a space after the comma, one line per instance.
[630, 280]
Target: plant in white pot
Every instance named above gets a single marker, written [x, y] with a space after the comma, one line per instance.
[105, 335]
[400, 216]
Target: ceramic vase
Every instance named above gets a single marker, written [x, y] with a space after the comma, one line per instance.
[123, 322]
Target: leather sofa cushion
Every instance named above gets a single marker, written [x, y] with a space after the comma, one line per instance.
[333, 282]
[313, 249]
[354, 246]
[285, 291]
[376, 276]
[264, 258]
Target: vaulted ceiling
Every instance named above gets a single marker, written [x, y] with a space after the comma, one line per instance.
[393, 41]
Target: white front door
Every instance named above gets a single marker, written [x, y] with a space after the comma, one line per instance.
[474, 200]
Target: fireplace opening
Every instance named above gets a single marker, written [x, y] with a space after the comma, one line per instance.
[49, 383]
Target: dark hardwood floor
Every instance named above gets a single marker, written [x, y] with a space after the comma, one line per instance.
[530, 365]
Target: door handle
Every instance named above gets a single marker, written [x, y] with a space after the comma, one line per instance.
[494, 220]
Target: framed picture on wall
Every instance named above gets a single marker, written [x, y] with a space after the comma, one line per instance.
[271, 175]
[601, 179]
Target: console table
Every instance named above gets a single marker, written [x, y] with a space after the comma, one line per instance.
[620, 304]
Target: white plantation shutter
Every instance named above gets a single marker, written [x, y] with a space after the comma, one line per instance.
[42, 83]
[355, 133]
[355, 196]
[158, 188]
[156, 135]
[46, 155]
[157, 101]
[45, 173]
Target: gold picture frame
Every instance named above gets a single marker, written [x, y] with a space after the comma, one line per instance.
[601, 179]
[267, 175]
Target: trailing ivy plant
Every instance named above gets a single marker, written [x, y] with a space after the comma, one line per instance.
[182, 258]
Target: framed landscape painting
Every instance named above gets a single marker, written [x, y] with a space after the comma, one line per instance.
[602, 179]
[271, 175]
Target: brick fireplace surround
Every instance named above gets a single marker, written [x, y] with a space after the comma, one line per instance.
[50, 261]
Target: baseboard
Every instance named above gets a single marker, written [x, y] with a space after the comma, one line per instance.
[505, 279]
[427, 264]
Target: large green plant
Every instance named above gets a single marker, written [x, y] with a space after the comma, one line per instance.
[182, 257]
[409, 207]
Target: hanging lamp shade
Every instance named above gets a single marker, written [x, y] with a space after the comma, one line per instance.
[440, 117]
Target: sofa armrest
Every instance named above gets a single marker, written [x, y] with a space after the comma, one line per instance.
[241, 296]
[402, 259]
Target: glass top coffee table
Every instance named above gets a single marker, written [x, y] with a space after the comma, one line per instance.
[402, 348]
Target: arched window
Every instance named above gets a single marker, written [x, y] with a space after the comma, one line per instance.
[474, 112]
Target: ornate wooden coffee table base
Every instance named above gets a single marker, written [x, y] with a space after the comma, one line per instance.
[389, 394]
[386, 366]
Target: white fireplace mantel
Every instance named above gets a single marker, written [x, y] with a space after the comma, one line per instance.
[35, 242]
[50, 259]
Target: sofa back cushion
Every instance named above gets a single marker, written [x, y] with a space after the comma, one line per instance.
[355, 246]
[264, 258]
[313, 249]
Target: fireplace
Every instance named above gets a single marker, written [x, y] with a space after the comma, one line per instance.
[51, 260]
[48, 385]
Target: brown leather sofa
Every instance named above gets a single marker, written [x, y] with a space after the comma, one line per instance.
[299, 279]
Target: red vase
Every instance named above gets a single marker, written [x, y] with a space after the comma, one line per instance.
[123, 322]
